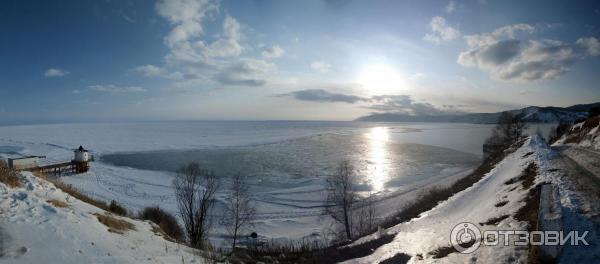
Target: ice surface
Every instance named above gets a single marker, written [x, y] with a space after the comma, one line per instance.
[286, 161]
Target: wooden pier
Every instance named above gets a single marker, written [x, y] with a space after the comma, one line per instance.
[79, 164]
[59, 169]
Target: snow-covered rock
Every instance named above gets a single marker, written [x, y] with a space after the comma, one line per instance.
[583, 134]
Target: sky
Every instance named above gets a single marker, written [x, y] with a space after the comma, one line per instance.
[74, 61]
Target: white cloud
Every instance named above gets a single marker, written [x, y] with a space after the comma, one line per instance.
[110, 88]
[541, 60]
[320, 66]
[591, 45]
[506, 32]
[193, 60]
[274, 52]
[451, 7]
[441, 31]
[54, 72]
[509, 59]
[247, 72]
[492, 55]
[149, 70]
[187, 17]
[228, 44]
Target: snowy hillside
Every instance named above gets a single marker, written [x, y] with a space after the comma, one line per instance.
[41, 224]
[583, 134]
[536, 114]
[493, 203]
[531, 114]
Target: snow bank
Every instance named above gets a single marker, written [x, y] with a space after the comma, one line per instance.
[477, 204]
[33, 230]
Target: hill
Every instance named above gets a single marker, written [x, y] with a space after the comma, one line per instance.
[531, 114]
[583, 134]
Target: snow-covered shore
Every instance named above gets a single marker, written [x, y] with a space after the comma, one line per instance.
[34, 230]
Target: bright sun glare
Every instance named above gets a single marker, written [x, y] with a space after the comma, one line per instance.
[380, 79]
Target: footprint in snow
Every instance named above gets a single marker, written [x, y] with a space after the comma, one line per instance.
[49, 209]
[19, 196]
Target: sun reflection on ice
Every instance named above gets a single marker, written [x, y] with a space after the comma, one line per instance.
[377, 156]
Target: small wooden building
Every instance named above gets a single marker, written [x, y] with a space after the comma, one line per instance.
[81, 160]
[23, 163]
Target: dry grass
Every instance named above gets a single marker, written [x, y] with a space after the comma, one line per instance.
[529, 212]
[115, 225]
[501, 203]
[494, 220]
[9, 176]
[442, 252]
[576, 135]
[68, 188]
[58, 203]
[527, 177]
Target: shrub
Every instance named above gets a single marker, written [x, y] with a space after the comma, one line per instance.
[9, 176]
[167, 222]
[116, 208]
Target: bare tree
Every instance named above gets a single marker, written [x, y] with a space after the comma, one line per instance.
[239, 209]
[508, 130]
[366, 215]
[342, 195]
[195, 189]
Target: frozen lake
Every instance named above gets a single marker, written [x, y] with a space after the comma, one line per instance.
[286, 162]
[383, 165]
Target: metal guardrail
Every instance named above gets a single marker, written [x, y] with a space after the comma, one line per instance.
[549, 219]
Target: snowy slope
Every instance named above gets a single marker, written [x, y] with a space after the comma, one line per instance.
[549, 114]
[583, 134]
[32, 230]
[476, 204]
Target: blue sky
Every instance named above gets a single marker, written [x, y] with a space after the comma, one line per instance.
[293, 60]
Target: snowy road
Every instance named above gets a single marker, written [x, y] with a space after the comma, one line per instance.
[586, 158]
[580, 167]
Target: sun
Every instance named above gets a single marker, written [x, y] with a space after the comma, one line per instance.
[380, 79]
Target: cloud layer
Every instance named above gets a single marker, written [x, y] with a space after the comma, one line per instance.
[509, 59]
[399, 104]
[321, 95]
[194, 61]
[111, 88]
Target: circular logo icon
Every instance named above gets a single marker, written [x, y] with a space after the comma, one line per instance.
[465, 238]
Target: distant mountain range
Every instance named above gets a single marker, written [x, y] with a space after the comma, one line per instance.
[532, 114]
